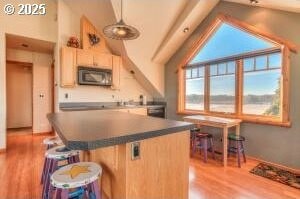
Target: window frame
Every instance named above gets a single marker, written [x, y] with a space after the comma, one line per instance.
[284, 47]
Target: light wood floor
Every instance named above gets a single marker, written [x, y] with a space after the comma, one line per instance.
[21, 165]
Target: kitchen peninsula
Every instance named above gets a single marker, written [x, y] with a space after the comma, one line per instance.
[142, 157]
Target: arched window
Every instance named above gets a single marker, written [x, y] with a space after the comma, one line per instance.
[237, 71]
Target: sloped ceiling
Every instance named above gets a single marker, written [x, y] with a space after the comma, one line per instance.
[286, 5]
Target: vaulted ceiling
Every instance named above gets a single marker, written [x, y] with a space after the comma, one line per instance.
[161, 24]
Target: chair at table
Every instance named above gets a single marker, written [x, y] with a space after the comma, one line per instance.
[236, 146]
[202, 141]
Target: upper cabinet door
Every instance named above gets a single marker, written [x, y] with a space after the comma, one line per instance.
[116, 72]
[103, 60]
[68, 67]
[85, 58]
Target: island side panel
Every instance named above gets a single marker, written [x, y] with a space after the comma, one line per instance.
[162, 170]
[112, 160]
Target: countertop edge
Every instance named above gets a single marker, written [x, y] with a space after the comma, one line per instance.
[91, 145]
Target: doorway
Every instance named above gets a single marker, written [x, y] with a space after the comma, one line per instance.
[29, 84]
[19, 88]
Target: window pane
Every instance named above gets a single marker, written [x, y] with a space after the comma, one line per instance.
[231, 67]
[201, 71]
[262, 93]
[261, 62]
[222, 93]
[194, 94]
[188, 73]
[213, 70]
[194, 72]
[275, 60]
[222, 68]
[249, 64]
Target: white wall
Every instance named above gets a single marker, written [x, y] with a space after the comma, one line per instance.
[41, 85]
[38, 27]
[69, 24]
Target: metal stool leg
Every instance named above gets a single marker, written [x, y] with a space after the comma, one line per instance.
[64, 194]
[44, 170]
[205, 149]
[212, 147]
[243, 151]
[96, 189]
[239, 154]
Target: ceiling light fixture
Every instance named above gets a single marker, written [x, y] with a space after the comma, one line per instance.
[120, 30]
[254, 1]
[185, 30]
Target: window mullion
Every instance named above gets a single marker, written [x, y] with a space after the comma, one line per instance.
[207, 88]
[239, 87]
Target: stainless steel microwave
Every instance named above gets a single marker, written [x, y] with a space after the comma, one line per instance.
[94, 76]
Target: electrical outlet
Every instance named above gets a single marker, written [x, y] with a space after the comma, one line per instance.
[135, 151]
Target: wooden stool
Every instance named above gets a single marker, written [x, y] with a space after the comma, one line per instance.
[53, 157]
[52, 141]
[203, 139]
[81, 177]
[236, 147]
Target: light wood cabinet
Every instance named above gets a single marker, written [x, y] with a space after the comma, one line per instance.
[71, 58]
[94, 59]
[68, 67]
[116, 72]
[138, 111]
[103, 60]
[85, 57]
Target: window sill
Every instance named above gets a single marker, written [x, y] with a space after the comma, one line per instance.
[244, 118]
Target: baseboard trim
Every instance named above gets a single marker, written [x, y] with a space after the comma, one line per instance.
[43, 133]
[293, 170]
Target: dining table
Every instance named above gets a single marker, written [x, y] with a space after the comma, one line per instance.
[217, 122]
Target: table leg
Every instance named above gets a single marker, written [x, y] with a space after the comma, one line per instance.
[238, 129]
[225, 146]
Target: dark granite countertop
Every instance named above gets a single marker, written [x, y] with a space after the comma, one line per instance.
[86, 130]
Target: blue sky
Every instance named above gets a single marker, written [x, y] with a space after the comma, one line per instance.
[229, 41]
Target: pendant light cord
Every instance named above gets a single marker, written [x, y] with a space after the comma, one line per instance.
[121, 9]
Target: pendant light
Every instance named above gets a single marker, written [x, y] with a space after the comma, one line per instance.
[120, 30]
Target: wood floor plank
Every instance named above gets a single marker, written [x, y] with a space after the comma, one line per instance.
[21, 165]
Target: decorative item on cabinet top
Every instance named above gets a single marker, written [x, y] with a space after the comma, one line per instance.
[94, 39]
[73, 42]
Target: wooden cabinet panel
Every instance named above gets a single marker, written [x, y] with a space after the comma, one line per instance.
[116, 72]
[103, 60]
[85, 58]
[139, 111]
[68, 66]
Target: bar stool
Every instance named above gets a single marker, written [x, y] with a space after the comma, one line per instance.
[49, 142]
[52, 141]
[193, 133]
[205, 142]
[235, 145]
[56, 157]
[76, 180]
